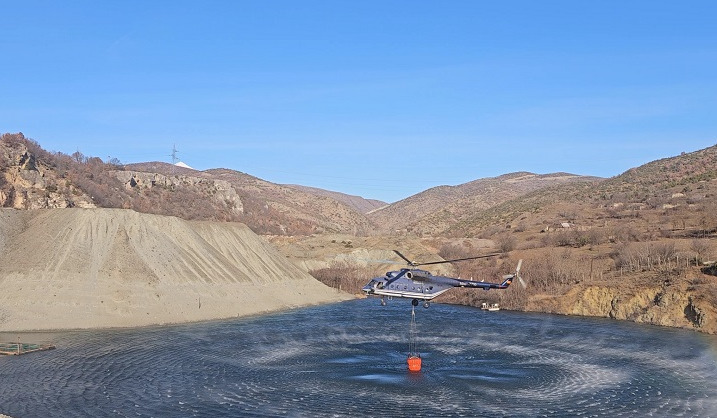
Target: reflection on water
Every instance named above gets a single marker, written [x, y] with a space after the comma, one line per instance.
[350, 359]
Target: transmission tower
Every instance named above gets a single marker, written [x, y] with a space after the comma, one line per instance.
[174, 154]
[175, 159]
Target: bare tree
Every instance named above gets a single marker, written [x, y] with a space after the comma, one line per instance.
[701, 247]
[78, 156]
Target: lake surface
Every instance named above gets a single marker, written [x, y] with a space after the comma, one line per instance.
[350, 359]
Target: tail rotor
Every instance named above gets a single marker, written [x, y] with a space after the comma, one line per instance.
[517, 274]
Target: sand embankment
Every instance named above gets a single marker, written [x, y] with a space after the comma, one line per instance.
[89, 268]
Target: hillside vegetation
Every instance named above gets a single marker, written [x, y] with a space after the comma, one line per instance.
[437, 210]
[32, 178]
[358, 203]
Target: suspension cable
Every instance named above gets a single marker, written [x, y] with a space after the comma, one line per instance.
[413, 334]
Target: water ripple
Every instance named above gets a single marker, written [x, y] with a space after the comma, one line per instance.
[349, 359]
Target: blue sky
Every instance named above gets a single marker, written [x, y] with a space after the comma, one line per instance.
[381, 99]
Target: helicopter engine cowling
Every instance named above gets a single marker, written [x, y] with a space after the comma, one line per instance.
[418, 275]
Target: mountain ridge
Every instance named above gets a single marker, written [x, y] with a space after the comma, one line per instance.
[432, 210]
[35, 178]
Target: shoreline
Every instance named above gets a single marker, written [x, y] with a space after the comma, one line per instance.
[169, 324]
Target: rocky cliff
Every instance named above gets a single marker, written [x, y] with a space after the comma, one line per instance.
[672, 303]
[220, 192]
[26, 183]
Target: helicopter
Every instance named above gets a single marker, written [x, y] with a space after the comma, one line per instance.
[418, 284]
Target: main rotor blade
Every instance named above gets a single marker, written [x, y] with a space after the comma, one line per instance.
[457, 259]
[371, 260]
[410, 263]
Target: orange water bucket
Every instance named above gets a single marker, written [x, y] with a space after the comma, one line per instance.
[414, 364]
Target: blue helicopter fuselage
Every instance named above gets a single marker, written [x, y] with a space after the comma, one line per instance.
[409, 283]
[421, 284]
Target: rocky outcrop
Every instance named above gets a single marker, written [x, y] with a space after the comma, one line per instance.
[27, 184]
[220, 191]
[674, 305]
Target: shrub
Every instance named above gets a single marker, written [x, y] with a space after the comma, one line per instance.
[506, 242]
[343, 276]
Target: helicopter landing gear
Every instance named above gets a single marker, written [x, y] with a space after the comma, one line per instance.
[383, 302]
[415, 302]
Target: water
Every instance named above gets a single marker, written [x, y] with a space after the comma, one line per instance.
[350, 359]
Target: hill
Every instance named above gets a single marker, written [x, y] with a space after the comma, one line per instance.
[436, 210]
[32, 178]
[358, 203]
[639, 246]
[671, 194]
[86, 268]
[266, 207]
